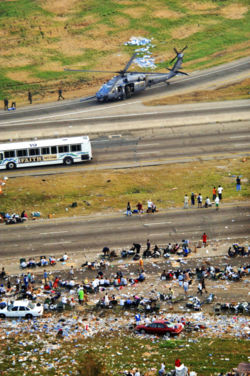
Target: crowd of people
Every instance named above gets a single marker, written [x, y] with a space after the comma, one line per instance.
[201, 203]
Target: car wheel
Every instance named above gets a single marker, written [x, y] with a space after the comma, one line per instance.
[68, 161]
[2, 315]
[11, 166]
[142, 331]
[28, 316]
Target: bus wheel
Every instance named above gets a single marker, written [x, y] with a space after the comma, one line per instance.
[11, 166]
[68, 161]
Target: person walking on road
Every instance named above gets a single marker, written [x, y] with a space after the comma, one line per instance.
[60, 96]
[30, 97]
[238, 184]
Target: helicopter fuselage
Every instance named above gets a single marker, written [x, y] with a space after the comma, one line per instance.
[124, 87]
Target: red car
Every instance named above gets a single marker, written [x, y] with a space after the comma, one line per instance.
[160, 327]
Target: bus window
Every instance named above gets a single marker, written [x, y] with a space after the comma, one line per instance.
[9, 154]
[63, 149]
[53, 149]
[34, 151]
[1, 156]
[75, 147]
[22, 153]
[45, 151]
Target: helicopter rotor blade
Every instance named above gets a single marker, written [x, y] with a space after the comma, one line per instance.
[173, 60]
[180, 72]
[175, 50]
[88, 70]
[184, 49]
[129, 63]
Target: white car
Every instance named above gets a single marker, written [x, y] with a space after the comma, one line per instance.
[21, 308]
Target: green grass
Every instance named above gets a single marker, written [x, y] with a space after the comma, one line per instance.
[121, 351]
[165, 185]
[29, 25]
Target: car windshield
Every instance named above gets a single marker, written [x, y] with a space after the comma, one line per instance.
[31, 305]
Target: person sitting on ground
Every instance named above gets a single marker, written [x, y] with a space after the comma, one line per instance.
[24, 215]
[43, 261]
[139, 207]
[207, 202]
[154, 208]
[64, 258]
[180, 369]
[163, 275]
[141, 277]
[52, 260]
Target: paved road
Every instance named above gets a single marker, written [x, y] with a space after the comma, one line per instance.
[118, 230]
[159, 146]
[227, 72]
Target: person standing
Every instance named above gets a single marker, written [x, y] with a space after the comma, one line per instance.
[129, 212]
[60, 96]
[214, 193]
[204, 239]
[30, 97]
[192, 199]
[186, 201]
[203, 285]
[217, 201]
[71, 272]
[148, 245]
[220, 190]
[186, 286]
[45, 276]
[238, 184]
[199, 200]
[6, 104]
[81, 295]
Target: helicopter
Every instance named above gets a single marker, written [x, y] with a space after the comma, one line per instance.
[127, 83]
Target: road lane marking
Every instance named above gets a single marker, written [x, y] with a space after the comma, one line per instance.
[248, 143]
[156, 224]
[148, 152]
[57, 243]
[52, 232]
[239, 136]
[142, 145]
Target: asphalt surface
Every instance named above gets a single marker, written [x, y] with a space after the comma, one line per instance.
[160, 146]
[232, 70]
[118, 230]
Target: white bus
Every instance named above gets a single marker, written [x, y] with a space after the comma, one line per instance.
[45, 152]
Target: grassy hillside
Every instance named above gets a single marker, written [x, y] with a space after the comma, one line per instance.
[41, 37]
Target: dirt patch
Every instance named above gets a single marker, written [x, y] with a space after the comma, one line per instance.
[200, 7]
[14, 61]
[59, 6]
[22, 76]
[185, 31]
[71, 46]
[166, 13]
[234, 11]
[135, 12]
[122, 21]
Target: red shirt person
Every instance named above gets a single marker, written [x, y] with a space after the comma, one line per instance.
[204, 239]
